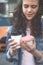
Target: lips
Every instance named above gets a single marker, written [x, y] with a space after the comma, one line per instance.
[29, 15]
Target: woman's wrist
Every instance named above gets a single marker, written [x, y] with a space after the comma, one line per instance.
[37, 54]
[11, 53]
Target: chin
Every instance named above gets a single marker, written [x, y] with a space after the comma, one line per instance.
[29, 18]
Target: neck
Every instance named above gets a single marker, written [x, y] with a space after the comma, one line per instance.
[28, 24]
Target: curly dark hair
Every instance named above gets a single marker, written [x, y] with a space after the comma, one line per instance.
[20, 20]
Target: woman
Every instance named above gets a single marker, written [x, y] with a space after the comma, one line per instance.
[27, 21]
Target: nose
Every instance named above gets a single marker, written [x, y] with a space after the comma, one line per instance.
[29, 9]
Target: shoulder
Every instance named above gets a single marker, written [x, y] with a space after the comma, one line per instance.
[10, 30]
[42, 21]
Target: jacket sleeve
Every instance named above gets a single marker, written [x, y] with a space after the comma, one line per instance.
[41, 60]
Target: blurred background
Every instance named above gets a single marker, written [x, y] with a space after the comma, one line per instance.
[6, 15]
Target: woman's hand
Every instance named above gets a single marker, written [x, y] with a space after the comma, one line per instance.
[25, 43]
[28, 43]
[13, 46]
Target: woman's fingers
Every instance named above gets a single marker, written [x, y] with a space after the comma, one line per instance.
[30, 46]
[13, 44]
[10, 40]
[23, 45]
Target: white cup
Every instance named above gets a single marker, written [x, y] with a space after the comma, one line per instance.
[17, 38]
